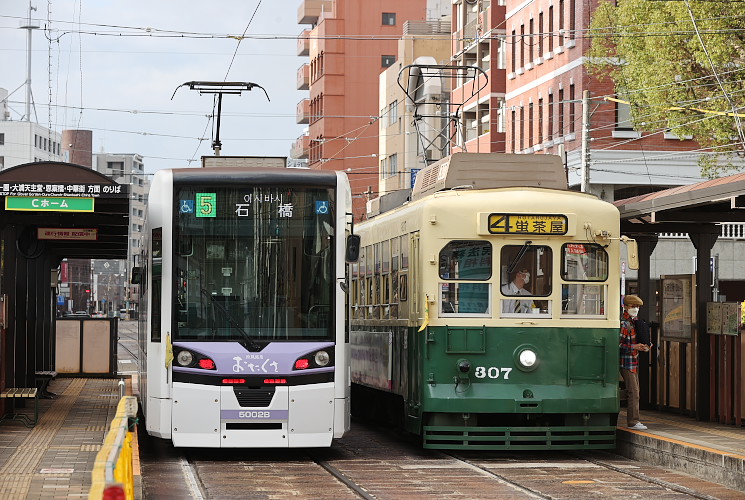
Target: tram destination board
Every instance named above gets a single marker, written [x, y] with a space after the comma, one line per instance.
[549, 224]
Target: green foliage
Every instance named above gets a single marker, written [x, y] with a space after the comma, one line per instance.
[652, 52]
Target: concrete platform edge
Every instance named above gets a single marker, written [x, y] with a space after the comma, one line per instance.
[707, 464]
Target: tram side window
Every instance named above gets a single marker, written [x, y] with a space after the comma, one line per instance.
[465, 260]
[395, 254]
[354, 296]
[525, 275]
[586, 264]
[157, 239]
[385, 299]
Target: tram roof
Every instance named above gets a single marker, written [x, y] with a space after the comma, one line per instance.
[685, 208]
[49, 181]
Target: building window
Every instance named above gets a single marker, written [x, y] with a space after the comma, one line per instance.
[572, 109]
[623, 117]
[514, 50]
[393, 113]
[550, 133]
[392, 165]
[531, 124]
[561, 112]
[514, 131]
[2, 162]
[522, 128]
[540, 120]
[522, 46]
[389, 18]
[2, 139]
[540, 34]
[551, 28]
[387, 61]
[530, 41]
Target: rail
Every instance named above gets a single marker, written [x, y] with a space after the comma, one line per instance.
[112, 475]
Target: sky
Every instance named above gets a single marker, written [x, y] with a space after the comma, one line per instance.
[112, 66]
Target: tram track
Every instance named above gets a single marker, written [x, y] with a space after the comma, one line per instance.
[644, 477]
[485, 471]
[666, 485]
[346, 480]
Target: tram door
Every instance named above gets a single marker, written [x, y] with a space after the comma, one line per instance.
[416, 343]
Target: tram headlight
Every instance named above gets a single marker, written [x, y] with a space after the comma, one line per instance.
[318, 359]
[322, 358]
[528, 358]
[184, 358]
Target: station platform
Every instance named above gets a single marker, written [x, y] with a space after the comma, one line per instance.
[55, 458]
[707, 450]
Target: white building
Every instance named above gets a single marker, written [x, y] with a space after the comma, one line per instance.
[25, 142]
[128, 168]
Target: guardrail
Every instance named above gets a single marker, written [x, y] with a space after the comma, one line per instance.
[112, 471]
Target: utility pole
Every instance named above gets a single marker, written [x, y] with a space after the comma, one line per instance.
[29, 25]
[585, 186]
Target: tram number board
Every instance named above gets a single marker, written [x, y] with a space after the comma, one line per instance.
[528, 224]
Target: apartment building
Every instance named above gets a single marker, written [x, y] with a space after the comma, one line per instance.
[402, 151]
[479, 40]
[349, 44]
[546, 85]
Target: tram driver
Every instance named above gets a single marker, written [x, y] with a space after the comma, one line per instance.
[514, 288]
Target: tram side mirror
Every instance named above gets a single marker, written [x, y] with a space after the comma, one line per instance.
[136, 275]
[353, 248]
[632, 250]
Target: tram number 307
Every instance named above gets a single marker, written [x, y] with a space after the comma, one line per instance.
[492, 372]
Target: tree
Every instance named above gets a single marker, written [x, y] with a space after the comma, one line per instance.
[681, 66]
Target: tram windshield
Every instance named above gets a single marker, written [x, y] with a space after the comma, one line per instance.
[253, 261]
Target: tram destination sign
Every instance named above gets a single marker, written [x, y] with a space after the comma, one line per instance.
[49, 204]
[68, 190]
[548, 224]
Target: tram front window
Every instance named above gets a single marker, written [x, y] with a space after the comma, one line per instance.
[253, 259]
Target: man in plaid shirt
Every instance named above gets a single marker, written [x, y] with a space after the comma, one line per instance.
[629, 349]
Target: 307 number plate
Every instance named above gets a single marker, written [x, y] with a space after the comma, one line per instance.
[493, 372]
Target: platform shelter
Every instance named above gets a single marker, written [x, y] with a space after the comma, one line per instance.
[49, 211]
[693, 370]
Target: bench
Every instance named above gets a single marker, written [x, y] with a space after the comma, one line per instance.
[21, 393]
[42, 382]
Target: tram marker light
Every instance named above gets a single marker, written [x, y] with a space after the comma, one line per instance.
[234, 381]
[302, 364]
[275, 381]
[207, 364]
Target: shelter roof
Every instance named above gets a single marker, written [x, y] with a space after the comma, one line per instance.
[684, 208]
[108, 215]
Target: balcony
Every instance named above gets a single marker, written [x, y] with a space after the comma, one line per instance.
[300, 148]
[303, 77]
[303, 43]
[310, 10]
[302, 112]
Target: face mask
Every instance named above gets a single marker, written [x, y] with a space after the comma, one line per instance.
[526, 278]
[633, 311]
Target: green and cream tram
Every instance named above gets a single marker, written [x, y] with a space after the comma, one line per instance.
[487, 317]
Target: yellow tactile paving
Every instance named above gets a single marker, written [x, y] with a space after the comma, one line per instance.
[18, 471]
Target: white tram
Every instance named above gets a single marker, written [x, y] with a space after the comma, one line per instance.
[242, 332]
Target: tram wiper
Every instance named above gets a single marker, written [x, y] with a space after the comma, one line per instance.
[519, 256]
[252, 345]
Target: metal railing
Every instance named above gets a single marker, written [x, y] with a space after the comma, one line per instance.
[731, 231]
[113, 474]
